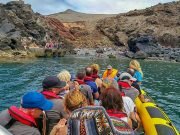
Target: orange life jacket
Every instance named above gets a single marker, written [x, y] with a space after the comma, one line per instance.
[112, 75]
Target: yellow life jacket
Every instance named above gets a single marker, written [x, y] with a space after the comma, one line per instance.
[112, 75]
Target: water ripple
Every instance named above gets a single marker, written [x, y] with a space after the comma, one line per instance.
[161, 79]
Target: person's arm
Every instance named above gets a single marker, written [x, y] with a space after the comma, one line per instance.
[139, 77]
[96, 95]
[90, 96]
[60, 128]
[129, 122]
[95, 91]
[139, 83]
[135, 117]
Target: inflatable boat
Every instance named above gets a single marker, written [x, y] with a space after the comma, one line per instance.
[154, 119]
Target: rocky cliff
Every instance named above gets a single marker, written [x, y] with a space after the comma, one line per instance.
[21, 28]
[151, 32]
[161, 21]
[83, 27]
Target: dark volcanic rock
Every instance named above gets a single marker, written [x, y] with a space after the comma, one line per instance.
[20, 27]
[140, 55]
[147, 44]
[160, 21]
[129, 54]
[15, 16]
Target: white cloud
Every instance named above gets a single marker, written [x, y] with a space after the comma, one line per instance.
[113, 6]
[90, 6]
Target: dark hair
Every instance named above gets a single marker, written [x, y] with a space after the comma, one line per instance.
[80, 74]
[88, 71]
[130, 71]
[111, 99]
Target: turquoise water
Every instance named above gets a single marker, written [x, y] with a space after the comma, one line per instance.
[161, 79]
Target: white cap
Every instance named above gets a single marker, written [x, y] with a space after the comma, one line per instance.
[127, 76]
[109, 67]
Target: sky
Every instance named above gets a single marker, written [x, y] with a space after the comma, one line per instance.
[47, 7]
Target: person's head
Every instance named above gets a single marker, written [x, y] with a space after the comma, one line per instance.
[80, 74]
[126, 77]
[88, 71]
[109, 69]
[109, 82]
[64, 76]
[34, 103]
[73, 77]
[52, 83]
[134, 64]
[111, 99]
[130, 71]
[95, 68]
[74, 100]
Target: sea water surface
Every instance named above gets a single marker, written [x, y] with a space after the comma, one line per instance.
[161, 79]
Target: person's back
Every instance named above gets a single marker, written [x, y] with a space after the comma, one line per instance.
[89, 81]
[52, 86]
[125, 83]
[113, 103]
[138, 74]
[83, 87]
[22, 120]
[131, 92]
[20, 129]
[16, 127]
[87, 92]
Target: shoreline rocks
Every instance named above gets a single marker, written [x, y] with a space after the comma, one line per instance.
[83, 52]
[146, 46]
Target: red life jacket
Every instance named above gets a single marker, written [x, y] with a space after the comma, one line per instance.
[80, 81]
[88, 78]
[117, 114]
[124, 84]
[94, 76]
[50, 95]
[122, 94]
[21, 116]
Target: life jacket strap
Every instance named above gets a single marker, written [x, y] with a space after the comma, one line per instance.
[10, 123]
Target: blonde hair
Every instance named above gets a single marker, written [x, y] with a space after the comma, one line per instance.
[95, 67]
[134, 64]
[109, 82]
[74, 100]
[64, 76]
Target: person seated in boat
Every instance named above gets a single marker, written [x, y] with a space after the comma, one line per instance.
[22, 120]
[112, 101]
[84, 88]
[138, 74]
[95, 76]
[65, 76]
[95, 69]
[125, 82]
[136, 85]
[90, 81]
[73, 100]
[128, 104]
[109, 82]
[110, 72]
[52, 86]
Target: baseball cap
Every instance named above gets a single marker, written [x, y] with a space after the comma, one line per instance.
[127, 76]
[109, 67]
[36, 100]
[53, 82]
